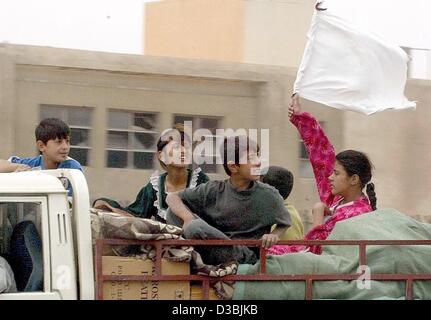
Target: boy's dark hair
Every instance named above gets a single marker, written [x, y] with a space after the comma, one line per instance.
[233, 147]
[168, 135]
[356, 162]
[51, 129]
[280, 178]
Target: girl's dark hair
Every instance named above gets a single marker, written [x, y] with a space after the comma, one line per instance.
[355, 162]
[372, 195]
[168, 135]
[51, 129]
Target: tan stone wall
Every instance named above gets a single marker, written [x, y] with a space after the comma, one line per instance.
[203, 29]
[251, 31]
[55, 87]
[7, 102]
[275, 31]
[274, 34]
[399, 146]
[244, 95]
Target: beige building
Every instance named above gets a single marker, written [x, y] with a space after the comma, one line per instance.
[117, 104]
[252, 31]
[271, 32]
[274, 33]
[399, 144]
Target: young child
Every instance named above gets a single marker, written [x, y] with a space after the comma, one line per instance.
[340, 180]
[173, 153]
[53, 142]
[282, 180]
[240, 207]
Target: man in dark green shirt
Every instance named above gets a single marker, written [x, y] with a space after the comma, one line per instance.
[240, 207]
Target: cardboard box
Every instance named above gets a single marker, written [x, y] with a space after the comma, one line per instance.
[144, 290]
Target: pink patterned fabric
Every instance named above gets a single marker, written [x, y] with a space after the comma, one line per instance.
[322, 158]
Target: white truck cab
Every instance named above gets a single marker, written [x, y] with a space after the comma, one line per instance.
[41, 224]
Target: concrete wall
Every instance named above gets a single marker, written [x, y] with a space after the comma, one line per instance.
[244, 96]
[204, 29]
[252, 31]
[7, 103]
[428, 65]
[397, 142]
[399, 146]
[275, 31]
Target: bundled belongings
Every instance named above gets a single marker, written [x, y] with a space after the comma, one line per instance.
[387, 224]
[115, 226]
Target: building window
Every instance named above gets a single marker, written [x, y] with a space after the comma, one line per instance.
[79, 121]
[204, 122]
[305, 168]
[132, 139]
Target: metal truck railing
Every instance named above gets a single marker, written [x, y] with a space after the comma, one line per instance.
[409, 278]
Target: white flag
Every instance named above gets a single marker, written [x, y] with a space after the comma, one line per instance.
[346, 68]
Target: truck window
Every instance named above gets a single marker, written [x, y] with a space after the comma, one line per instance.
[21, 243]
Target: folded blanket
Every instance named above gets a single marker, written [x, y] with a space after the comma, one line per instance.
[112, 225]
[388, 224]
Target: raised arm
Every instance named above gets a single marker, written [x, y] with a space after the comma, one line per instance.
[320, 150]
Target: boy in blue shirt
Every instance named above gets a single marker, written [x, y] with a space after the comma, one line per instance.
[53, 142]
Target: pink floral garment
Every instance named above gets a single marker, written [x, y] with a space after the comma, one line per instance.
[322, 158]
